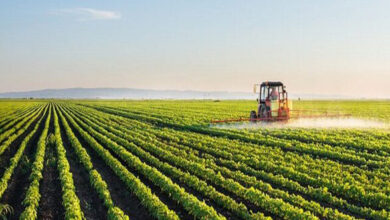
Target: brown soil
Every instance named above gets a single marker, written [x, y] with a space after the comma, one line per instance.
[91, 205]
[121, 196]
[50, 205]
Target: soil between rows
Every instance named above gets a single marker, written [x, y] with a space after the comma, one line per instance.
[121, 196]
[50, 205]
[91, 205]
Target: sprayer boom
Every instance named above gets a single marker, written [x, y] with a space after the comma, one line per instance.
[297, 114]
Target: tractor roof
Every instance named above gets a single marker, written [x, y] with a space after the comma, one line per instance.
[268, 83]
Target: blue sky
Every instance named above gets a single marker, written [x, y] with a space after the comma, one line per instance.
[316, 47]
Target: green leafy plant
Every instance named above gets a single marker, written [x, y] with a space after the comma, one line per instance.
[5, 210]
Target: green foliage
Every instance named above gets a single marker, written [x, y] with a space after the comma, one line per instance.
[5, 210]
[207, 172]
[95, 179]
[148, 199]
[70, 201]
[25, 165]
[31, 201]
[16, 158]
[133, 117]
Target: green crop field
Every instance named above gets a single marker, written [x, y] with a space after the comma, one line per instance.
[163, 160]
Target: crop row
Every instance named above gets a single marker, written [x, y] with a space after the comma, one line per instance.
[17, 129]
[8, 120]
[16, 158]
[33, 196]
[70, 200]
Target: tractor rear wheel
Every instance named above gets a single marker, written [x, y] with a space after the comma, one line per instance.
[253, 116]
[264, 112]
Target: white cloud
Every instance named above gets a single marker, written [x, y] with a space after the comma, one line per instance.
[89, 14]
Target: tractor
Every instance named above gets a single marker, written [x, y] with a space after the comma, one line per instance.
[273, 103]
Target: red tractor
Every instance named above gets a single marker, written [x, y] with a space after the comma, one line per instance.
[273, 103]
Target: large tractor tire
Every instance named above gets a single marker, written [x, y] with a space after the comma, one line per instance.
[253, 116]
[263, 113]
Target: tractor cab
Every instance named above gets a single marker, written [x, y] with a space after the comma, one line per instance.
[273, 102]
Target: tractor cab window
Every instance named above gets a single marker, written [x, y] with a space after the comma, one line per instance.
[274, 93]
[263, 93]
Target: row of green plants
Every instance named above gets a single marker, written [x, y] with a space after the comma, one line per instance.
[326, 168]
[319, 194]
[70, 201]
[375, 199]
[172, 117]
[149, 200]
[275, 206]
[352, 191]
[10, 134]
[96, 181]
[370, 180]
[10, 120]
[167, 116]
[378, 199]
[310, 175]
[33, 196]
[188, 201]
[135, 135]
[12, 110]
[331, 144]
[14, 161]
[139, 134]
[351, 140]
[7, 120]
[192, 181]
[297, 174]
[340, 155]
[315, 207]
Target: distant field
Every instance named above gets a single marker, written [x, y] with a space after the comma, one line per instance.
[162, 160]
